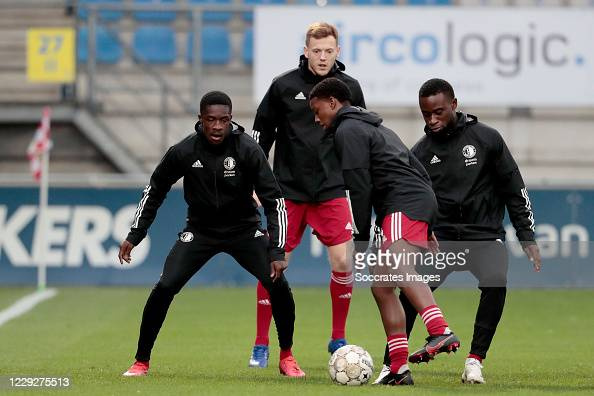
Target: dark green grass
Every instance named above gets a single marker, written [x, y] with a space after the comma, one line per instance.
[544, 343]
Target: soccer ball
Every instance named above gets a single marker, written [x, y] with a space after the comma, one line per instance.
[350, 365]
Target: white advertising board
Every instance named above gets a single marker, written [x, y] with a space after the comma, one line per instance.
[492, 56]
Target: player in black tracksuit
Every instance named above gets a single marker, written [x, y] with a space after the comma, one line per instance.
[305, 163]
[221, 167]
[475, 178]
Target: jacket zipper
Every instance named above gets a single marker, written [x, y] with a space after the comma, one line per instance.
[215, 185]
[457, 227]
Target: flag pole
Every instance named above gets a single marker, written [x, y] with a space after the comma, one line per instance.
[41, 221]
[38, 154]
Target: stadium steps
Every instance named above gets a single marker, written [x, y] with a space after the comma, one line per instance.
[151, 144]
[116, 157]
[14, 23]
[125, 91]
[16, 89]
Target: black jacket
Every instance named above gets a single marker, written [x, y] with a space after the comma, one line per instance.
[218, 185]
[305, 162]
[379, 171]
[474, 177]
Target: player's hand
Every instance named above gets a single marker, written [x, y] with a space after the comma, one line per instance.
[256, 199]
[533, 254]
[433, 244]
[277, 268]
[125, 250]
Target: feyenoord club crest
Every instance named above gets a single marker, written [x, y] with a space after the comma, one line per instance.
[229, 163]
[186, 236]
[469, 151]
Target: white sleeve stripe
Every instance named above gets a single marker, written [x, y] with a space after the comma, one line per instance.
[348, 196]
[393, 236]
[140, 207]
[529, 208]
[399, 225]
[281, 211]
[256, 135]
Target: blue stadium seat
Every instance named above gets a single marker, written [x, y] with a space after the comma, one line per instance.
[429, 2]
[107, 45]
[216, 46]
[374, 2]
[247, 47]
[213, 16]
[106, 15]
[155, 16]
[249, 16]
[317, 2]
[154, 44]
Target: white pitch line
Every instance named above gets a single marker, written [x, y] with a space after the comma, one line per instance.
[25, 304]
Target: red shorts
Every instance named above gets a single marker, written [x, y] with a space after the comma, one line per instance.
[331, 221]
[397, 226]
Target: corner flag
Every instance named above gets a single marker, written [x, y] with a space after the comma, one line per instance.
[40, 145]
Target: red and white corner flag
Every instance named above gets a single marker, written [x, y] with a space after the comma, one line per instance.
[40, 144]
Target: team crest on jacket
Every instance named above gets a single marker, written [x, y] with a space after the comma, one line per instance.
[469, 151]
[186, 236]
[229, 164]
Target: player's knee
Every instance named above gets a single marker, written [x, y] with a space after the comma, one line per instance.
[499, 292]
[278, 286]
[340, 256]
[341, 264]
[381, 292]
[494, 281]
[166, 288]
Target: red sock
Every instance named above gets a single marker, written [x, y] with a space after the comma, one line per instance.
[341, 289]
[398, 347]
[477, 357]
[434, 320]
[263, 315]
[285, 353]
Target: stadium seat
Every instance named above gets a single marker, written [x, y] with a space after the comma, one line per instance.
[374, 2]
[107, 45]
[154, 44]
[320, 3]
[429, 2]
[216, 46]
[154, 16]
[105, 15]
[213, 16]
[249, 16]
[247, 47]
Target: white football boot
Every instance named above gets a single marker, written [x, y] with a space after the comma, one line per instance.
[385, 371]
[472, 372]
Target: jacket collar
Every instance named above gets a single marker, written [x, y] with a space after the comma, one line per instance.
[236, 130]
[463, 120]
[308, 76]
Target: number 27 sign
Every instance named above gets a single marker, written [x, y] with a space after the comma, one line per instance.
[50, 55]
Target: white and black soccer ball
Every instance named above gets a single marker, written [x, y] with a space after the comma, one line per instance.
[350, 365]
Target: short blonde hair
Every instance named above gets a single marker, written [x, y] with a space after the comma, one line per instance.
[320, 30]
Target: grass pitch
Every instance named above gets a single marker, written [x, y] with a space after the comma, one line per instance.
[544, 343]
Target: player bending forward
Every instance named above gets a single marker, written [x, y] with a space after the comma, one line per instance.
[378, 169]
